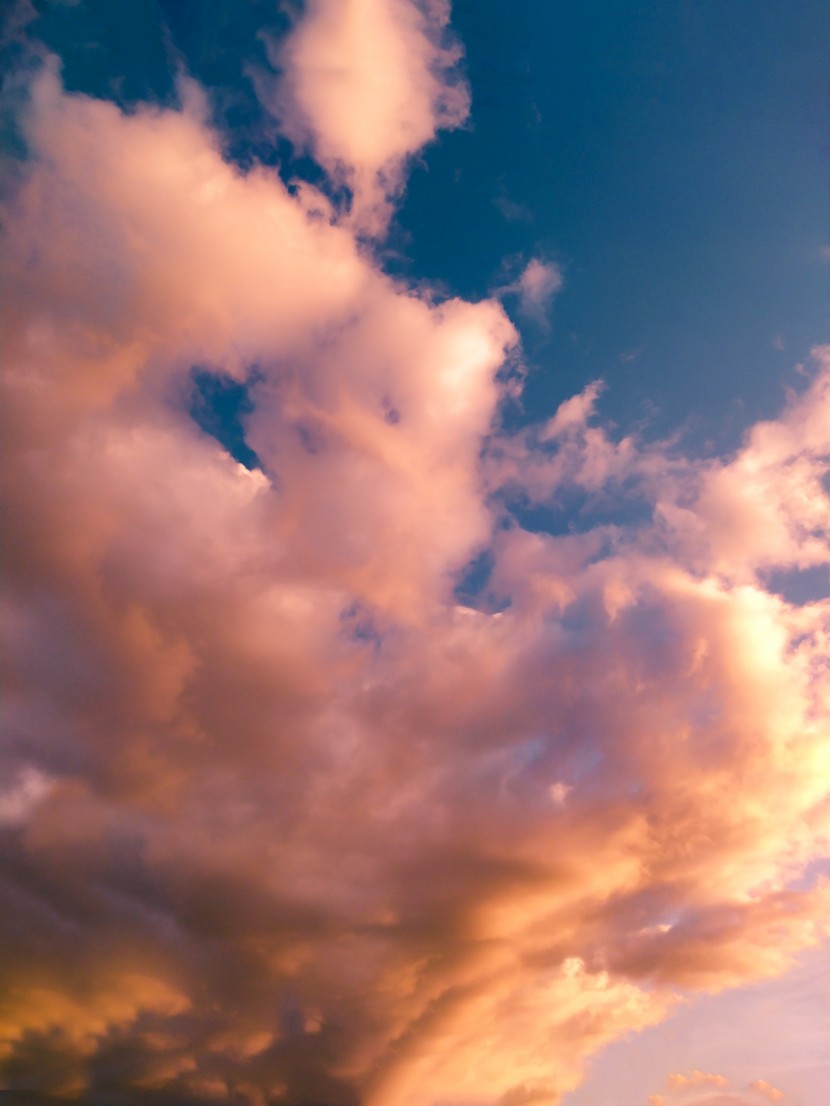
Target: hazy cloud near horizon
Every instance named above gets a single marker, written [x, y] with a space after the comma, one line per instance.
[292, 811]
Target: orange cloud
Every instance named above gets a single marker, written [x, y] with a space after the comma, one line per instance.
[766, 1089]
[284, 820]
[679, 1081]
[699, 1088]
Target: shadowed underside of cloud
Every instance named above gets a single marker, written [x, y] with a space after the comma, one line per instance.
[282, 822]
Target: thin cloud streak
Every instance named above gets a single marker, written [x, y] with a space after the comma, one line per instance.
[287, 822]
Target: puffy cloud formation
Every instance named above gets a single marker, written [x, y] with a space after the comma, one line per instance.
[365, 85]
[284, 819]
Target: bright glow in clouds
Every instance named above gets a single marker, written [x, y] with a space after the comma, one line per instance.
[285, 822]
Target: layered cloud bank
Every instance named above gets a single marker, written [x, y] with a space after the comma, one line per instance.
[327, 780]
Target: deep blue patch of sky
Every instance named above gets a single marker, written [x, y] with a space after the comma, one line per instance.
[220, 406]
[671, 155]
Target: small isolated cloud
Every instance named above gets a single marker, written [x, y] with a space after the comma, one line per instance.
[767, 1090]
[630, 355]
[535, 287]
[682, 1081]
[538, 284]
[364, 85]
[511, 210]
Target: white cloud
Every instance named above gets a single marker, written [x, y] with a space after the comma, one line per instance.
[365, 84]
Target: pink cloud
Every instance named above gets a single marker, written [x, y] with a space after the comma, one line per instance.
[766, 1089]
[700, 1088]
[680, 1080]
[313, 830]
[365, 85]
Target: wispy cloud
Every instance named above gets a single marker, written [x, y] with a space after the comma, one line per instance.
[699, 1088]
[535, 288]
[767, 1090]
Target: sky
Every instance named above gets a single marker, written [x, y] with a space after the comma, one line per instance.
[416, 437]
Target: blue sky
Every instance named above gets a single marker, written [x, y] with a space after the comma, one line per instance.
[672, 157]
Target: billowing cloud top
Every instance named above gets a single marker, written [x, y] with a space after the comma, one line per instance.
[285, 819]
[365, 85]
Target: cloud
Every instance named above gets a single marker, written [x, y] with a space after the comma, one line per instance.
[511, 210]
[680, 1081]
[535, 287]
[699, 1088]
[365, 85]
[628, 356]
[766, 1089]
[538, 284]
[573, 414]
[17, 800]
[290, 822]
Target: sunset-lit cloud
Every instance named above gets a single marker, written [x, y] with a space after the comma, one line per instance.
[681, 1081]
[533, 289]
[700, 1088]
[290, 817]
[365, 85]
[766, 1089]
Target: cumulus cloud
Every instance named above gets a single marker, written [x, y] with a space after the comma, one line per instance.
[364, 85]
[287, 822]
